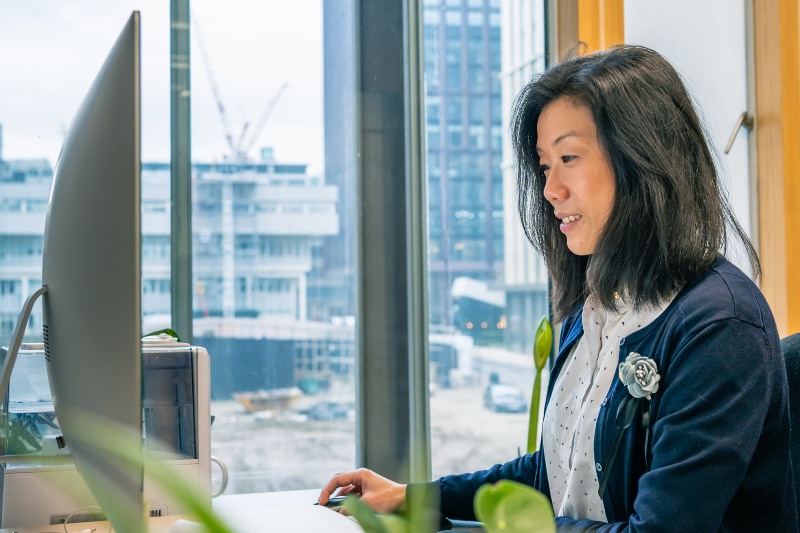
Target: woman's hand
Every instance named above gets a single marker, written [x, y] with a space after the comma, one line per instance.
[381, 494]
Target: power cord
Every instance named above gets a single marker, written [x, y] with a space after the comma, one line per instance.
[87, 530]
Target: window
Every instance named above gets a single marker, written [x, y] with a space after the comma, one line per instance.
[434, 136]
[454, 110]
[454, 135]
[453, 77]
[48, 79]
[476, 43]
[155, 248]
[257, 214]
[9, 287]
[266, 305]
[477, 138]
[473, 300]
[452, 50]
[245, 245]
[433, 110]
[453, 18]
[274, 225]
[477, 109]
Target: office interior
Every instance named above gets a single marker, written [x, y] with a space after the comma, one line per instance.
[327, 202]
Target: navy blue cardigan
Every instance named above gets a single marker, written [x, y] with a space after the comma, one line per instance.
[718, 450]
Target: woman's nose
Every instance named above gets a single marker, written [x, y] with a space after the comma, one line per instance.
[554, 189]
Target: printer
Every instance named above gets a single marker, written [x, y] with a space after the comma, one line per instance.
[176, 430]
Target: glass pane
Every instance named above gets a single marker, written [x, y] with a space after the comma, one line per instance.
[272, 178]
[44, 81]
[487, 289]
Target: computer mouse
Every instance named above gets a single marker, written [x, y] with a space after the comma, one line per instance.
[335, 502]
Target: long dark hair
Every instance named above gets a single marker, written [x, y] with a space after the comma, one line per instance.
[670, 213]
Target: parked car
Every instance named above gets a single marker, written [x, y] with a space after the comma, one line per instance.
[503, 398]
[328, 410]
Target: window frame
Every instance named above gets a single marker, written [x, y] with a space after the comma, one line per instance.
[392, 418]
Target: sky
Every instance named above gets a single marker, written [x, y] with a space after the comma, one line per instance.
[51, 51]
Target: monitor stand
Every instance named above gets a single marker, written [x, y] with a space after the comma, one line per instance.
[8, 366]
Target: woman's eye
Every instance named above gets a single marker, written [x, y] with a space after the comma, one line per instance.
[567, 158]
[543, 169]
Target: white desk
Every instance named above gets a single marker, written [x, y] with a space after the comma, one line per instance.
[291, 511]
[263, 512]
[229, 506]
[281, 511]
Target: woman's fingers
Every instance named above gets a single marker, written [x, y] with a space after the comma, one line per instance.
[350, 481]
[350, 489]
[381, 494]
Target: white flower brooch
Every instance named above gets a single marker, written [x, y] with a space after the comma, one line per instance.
[640, 375]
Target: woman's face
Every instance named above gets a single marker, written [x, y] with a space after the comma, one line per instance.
[579, 179]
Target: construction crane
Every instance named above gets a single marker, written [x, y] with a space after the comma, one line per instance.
[244, 149]
[239, 148]
[213, 83]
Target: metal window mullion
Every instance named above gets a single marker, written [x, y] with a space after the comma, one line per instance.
[416, 228]
[392, 415]
[752, 147]
[181, 171]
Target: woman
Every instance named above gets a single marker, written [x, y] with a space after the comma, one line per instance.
[667, 405]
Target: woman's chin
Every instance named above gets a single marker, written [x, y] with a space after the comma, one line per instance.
[579, 248]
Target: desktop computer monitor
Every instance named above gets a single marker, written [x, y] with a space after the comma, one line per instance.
[92, 273]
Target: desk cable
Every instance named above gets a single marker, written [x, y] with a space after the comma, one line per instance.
[86, 530]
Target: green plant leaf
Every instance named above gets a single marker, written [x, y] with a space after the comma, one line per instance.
[124, 447]
[396, 524]
[420, 515]
[511, 507]
[421, 511]
[367, 518]
[168, 331]
[543, 343]
[533, 417]
[542, 346]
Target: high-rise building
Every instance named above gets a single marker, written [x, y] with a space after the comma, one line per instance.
[464, 145]
[333, 293]
[524, 273]
[464, 132]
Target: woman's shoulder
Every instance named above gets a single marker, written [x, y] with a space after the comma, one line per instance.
[724, 293]
[723, 317]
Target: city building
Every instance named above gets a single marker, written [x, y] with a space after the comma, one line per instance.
[469, 166]
[524, 273]
[24, 192]
[464, 146]
[335, 290]
[257, 228]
